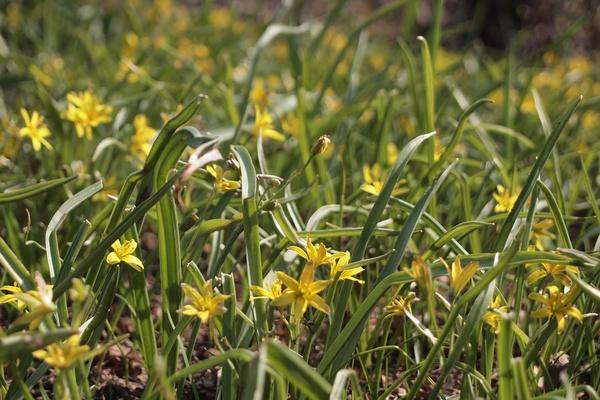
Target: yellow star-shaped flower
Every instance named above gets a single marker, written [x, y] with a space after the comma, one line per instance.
[124, 253]
[203, 303]
[35, 129]
[302, 292]
[63, 355]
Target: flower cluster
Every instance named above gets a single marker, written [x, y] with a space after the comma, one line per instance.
[305, 291]
[86, 111]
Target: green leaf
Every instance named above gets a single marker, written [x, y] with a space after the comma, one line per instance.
[391, 266]
[33, 190]
[15, 268]
[338, 390]
[385, 194]
[243, 355]
[561, 226]
[297, 371]
[482, 285]
[99, 251]
[429, 89]
[458, 231]
[57, 220]
[251, 233]
[19, 345]
[411, 223]
[588, 289]
[507, 227]
[255, 376]
[456, 136]
[370, 226]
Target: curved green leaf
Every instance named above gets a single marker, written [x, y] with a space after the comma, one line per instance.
[33, 190]
[458, 231]
[297, 371]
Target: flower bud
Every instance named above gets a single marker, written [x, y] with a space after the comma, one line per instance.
[321, 145]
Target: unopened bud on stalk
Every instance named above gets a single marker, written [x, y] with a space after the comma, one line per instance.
[232, 162]
[272, 180]
[321, 145]
[271, 205]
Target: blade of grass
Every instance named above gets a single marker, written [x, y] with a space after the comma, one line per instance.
[242, 355]
[561, 226]
[297, 371]
[33, 190]
[56, 221]
[509, 223]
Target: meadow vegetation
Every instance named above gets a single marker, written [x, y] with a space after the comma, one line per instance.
[199, 204]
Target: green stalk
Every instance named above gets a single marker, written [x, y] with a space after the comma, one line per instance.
[251, 234]
[505, 380]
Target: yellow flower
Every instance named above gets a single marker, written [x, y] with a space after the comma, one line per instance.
[459, 276]
[40, 76]
[337, 264]
[377, 61]
[556, 304]
[259, 96]
[109, 191]
[14, 16]
[392, 153]
[556, 271]
[142, 139]
[280, 50]
[38, 302]
[580, 64]
[63, 355]
[8, 138]
[131, 45]
[221, 184]
[419, 271]
[10, 297]
[303, 292]
[314, 255]
[335, 40]
[399, 306]
[124, 253]
[505, 199]
[492, 316]
[263, 125]
[590, 120]
[374, 181]
[528, 105]
[220, 18]
[540, 231]
[551, 58]
[331, 100]
[79, 291]
[270, 292]
[289, 124]
[204, 304]
[446, 59]
[86, 111]
[407, 124]
[35, 129]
